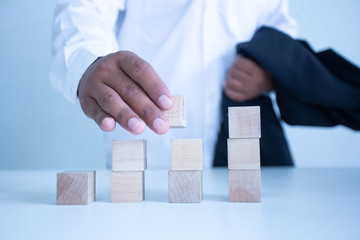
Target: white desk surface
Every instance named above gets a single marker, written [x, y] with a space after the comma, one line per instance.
[296, 204]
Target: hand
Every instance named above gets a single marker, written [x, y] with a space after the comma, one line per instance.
[121, 87]
[246, 80]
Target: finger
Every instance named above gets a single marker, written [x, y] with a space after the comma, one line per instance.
[111, 103]
[143, 74]
[92, 109]
[245, 64]
[234, 95]
[239, 75]
[136, 98]
[235, 84]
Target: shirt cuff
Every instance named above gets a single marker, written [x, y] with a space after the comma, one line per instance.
[78, 63]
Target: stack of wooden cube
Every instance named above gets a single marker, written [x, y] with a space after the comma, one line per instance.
[129, 164]
[244, 154]
[185, 176]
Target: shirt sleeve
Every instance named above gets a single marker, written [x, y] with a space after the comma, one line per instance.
[83, 30]
[276, 15]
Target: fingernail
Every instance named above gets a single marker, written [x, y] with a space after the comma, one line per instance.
[107, 124]
[104, 121]
[159, 124]
[134, 123]
[165, 102]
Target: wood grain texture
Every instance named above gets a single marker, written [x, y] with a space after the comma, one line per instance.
[244, 186]
[75, 187]
[128, 155]
[127, 187]
[244, 122]
[185, 186]
[186, 154]
[177, 114]
[243, 153]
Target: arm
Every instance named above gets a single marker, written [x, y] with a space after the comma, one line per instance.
[112, 86]
[82, 32]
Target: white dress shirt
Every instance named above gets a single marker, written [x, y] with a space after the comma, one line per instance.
[190, 43]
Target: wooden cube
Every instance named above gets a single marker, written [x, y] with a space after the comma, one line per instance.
[243, 153]
[129, 155]
[186, 154]
[177, 114]
[244, 186]
[185, 186]
[75, 188]
[127, 187]
[244, 122]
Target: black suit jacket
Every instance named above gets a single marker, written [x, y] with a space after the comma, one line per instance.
[312, 89]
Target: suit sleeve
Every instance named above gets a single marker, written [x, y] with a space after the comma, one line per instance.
[309, 91]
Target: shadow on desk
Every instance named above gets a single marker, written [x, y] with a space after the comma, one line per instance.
[157, 196]
[150, 196]
[215, 198]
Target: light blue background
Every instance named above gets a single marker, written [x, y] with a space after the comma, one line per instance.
[40, 129]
